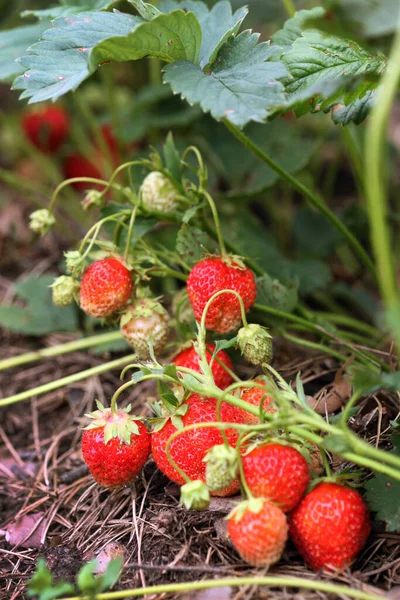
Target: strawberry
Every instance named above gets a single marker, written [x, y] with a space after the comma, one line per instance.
[330, 526]
[106, 287]
[190, 359]
[258, 530]
[254, 395]
[46, 127]
[158, 193]
[189, 449]
[212, 275]
[78, 165]
[278, 473]
[255, 343]
[115, 446]
[146, 321]
[64, 290]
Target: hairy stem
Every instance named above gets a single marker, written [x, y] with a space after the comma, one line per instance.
[375, 176]
[307, 193]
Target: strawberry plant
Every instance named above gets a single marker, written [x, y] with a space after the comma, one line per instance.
[198, 215]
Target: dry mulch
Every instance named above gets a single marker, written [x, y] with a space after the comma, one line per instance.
[41, 471]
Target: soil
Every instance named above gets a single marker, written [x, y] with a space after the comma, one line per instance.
[41, 471]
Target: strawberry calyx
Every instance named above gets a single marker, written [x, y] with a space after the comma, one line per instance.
[195, 494]
[166, 412]
[253, 505]
[117, 423]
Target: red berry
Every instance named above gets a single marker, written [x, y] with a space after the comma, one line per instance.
[213, 275]
[77, 165]
[46, 127]
[258, 530]
[253, 396]
[278, 473]
[106, 287]
[189, 449]
[330, 526]
[115, 462]
[190, 359]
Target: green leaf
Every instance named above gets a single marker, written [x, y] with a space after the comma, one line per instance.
[167, 396]
[87, 582]
[314, 235]
[383, 493]
[311, 275]
[218, 24]
[372, 18]
[316, 57]
[13, 44]
[354, 112]
[146, 11]
[112, 574]
[241, 86]
[62, 60]
[223, 345]
[73, 49]
[191, 243]
[41, 585]
[172, 158]
[370, 381]
[273, 293]
[69, 7]
[40, 316]
[293, 27]
[171, 37]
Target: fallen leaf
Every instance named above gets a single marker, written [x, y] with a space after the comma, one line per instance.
[27, 531]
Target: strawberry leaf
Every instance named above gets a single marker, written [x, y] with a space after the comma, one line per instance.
[293, 27]
[69, 7]
[42, 587]
[223, 345]
[273, 293]
[13, 44]
[191, 243]
[217, 24]
[241, 86]
[75, 47]
[382, 495]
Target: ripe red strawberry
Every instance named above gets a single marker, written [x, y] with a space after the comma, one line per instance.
[106, 287]
[278, 473]
[78, 165]
[115, 447]
[189, 449]
[253, 395]
[258, 530]
[46, 127]
[212, 275]
[190, 359]
[146, 321]
[330, 526]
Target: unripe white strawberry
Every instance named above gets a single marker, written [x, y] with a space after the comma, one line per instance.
[158, 193]
[64, 290]
[221, 467]
[255, 344]
[145, 322]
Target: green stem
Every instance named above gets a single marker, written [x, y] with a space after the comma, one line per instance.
[307, 193]
[289, 7]
[130, 232]
[60, 349]
[375, 181]
[271, 581]
[349, 322]
[314, 346]
[113, 404]
[59, 383]
[216, 221]
[69, 182]
[355, 158]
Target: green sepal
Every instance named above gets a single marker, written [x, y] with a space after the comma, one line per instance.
[195, 495]
[253, 505]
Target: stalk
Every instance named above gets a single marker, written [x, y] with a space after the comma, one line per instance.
[307, 193]
[73, 346]
[59, 383]
[375, 180]
[271, 581]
